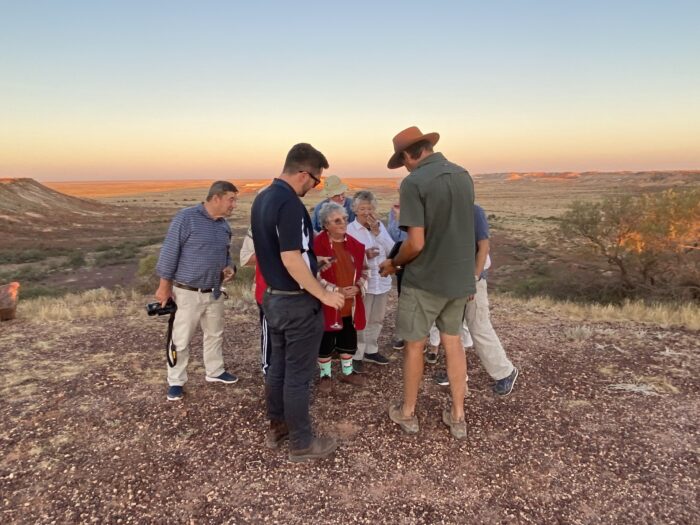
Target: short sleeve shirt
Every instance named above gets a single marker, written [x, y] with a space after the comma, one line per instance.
[439, 196]
[281, 223]
[481, 231]
[481, 225]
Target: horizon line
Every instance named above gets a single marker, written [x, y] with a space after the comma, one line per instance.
[402, 175]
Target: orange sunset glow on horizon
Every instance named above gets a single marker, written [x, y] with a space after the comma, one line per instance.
[570, 90]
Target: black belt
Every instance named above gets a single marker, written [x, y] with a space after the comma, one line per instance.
[272, 291]
[192, 288]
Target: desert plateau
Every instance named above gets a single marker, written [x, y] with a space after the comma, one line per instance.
[602, 426]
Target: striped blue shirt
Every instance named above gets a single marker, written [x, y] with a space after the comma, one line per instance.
[195, 250]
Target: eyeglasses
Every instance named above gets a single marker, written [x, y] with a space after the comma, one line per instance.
[316, 181]
[339, 221]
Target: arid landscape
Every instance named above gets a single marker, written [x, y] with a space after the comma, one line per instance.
[602, 426]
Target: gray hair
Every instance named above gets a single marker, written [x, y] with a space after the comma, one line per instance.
[329, 209]
[219, 188]
[364, 196]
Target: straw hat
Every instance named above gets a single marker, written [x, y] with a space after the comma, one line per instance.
[407, 138]
[333, 186]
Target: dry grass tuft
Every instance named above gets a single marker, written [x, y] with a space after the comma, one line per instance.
[102, 303]
[95, 304]
[578, 333]
[647, 385]
[664, 315]
[608, 370]
[634, 388]
[659, 384]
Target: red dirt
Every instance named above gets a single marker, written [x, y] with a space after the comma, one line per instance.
[88, 435]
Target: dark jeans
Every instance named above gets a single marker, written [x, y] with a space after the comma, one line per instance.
[295, 329]
[265, 348]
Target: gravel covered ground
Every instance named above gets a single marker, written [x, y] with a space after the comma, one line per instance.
[601, 428]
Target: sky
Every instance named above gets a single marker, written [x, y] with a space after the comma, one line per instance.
[186, 90]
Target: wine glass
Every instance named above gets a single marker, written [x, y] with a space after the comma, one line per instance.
[337, 324]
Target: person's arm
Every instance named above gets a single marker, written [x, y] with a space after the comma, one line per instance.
[410, 249]
[297, 268]
[384, 239]
[396, 233]
[481, 235]
[483, 246]
[247, 254]
[169, 258]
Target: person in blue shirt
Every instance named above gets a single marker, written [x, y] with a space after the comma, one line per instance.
[477, 319]
[398, 236]
[333, 191]
[194, 262]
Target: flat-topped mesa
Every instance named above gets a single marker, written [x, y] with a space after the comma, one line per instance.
[22, 197]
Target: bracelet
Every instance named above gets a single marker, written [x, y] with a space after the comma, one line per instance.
[395, 266]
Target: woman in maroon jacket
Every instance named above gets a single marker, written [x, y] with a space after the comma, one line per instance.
[347, 273]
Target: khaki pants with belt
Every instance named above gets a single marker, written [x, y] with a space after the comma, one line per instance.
[196, 308]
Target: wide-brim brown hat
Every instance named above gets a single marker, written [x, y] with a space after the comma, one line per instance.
[406, 138]
[332, 185]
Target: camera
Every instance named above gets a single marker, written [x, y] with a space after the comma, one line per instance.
[156, 309]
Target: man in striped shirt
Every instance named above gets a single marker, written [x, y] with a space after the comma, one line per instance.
[194, 262]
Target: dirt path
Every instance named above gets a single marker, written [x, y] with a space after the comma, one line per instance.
[88, 436]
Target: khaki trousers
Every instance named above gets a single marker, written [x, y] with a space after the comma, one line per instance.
[375, 310]
[195, 308]
[486, 343]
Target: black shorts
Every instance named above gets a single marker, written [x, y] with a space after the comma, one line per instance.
[344, 340]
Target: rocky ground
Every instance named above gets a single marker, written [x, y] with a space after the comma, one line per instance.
[602, 427]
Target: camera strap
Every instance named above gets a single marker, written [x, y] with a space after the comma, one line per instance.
[170, 349]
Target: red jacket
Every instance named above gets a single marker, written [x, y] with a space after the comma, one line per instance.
[324, 248]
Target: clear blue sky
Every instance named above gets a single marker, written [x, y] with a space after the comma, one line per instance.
[92, 90]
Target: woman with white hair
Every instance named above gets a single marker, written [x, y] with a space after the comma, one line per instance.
[347, 274]
[369, 230]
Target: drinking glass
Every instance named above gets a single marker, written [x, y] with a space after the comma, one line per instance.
[337, 323]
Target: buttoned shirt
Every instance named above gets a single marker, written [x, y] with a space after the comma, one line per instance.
[196, 249]
[384, 243]
[438, 196]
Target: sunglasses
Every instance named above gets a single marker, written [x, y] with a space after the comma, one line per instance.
[339, 221]
[316, 181]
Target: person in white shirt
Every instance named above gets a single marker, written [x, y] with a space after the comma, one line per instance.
[369, 230]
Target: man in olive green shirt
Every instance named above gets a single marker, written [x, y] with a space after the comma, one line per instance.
[436, 200]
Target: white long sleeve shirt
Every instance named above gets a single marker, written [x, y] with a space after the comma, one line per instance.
[376, 284]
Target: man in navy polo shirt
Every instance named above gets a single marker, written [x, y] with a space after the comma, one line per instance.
[194, 261]
[283, 240]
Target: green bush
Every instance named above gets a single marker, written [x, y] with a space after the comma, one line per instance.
[652, 240]
[146, 278]
[76, 260]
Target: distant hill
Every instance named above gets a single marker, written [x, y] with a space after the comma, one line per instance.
[28, 199]
[632, 178]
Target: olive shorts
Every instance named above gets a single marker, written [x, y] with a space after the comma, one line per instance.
[419, 309]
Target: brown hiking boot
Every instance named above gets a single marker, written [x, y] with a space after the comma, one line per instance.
[458, 429]
[407, 424]
[325, 385]
[321, 447]
[277, 433]
[352, 379]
